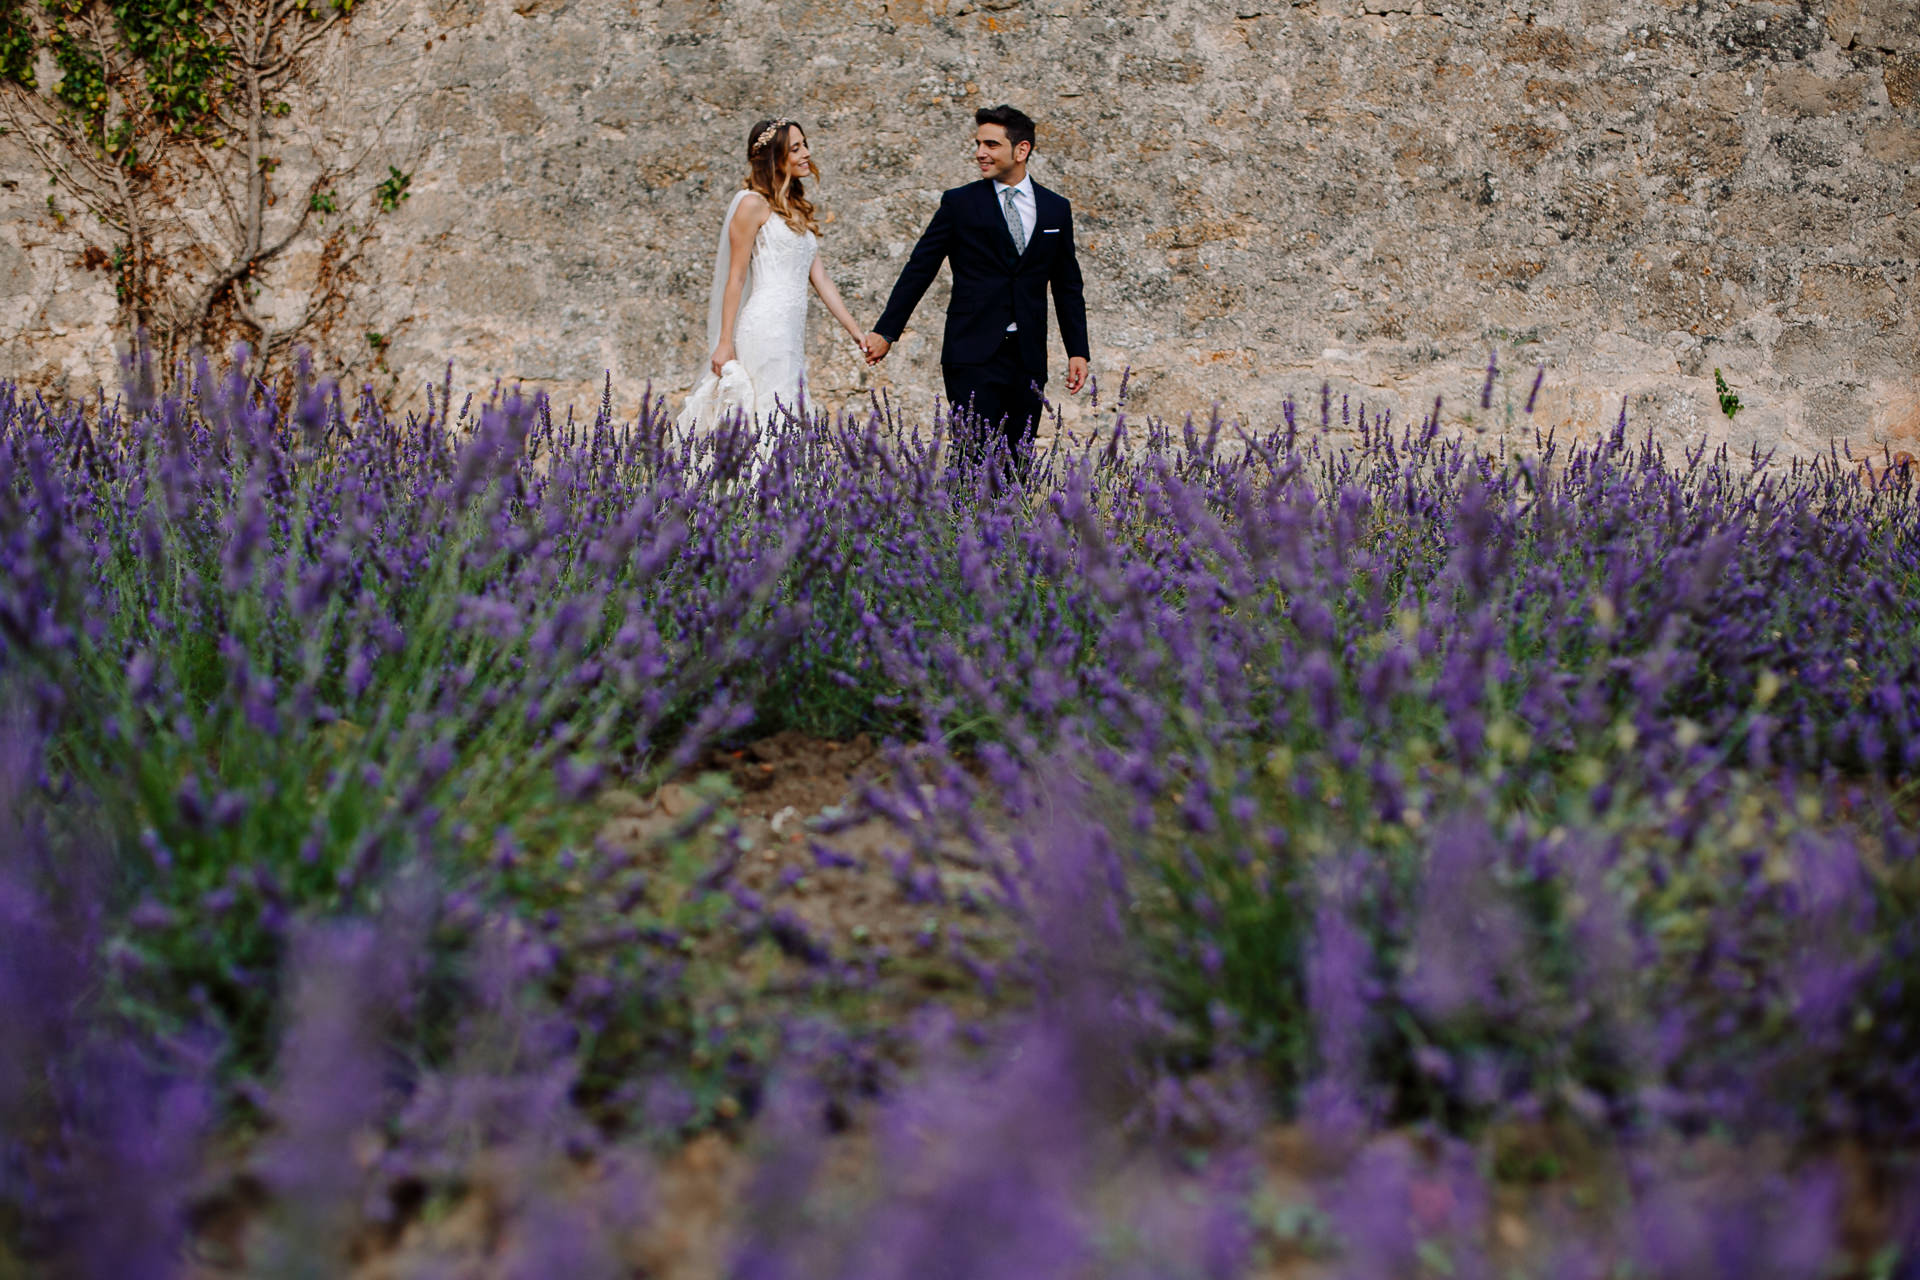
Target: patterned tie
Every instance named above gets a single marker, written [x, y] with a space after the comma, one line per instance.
[1013, 223]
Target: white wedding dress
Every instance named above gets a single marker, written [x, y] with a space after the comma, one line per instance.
[767, 376]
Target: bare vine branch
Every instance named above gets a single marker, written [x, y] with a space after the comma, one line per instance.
[191, 263]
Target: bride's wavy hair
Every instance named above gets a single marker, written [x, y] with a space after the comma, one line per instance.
[767, 174]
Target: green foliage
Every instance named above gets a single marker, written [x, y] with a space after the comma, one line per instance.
[184, 63]
[392, 189]
[185, 66]
[181, 60]
[1729, 402]
[16, 43]
[83, 79]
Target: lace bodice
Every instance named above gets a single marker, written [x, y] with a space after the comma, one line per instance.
[781, 259]
[772, 332]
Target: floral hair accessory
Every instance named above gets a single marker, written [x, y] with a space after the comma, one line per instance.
[766, 136]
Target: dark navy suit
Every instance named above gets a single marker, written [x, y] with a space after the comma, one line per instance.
[998, 375]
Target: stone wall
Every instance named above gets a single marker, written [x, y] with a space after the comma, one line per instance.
[1267, 195]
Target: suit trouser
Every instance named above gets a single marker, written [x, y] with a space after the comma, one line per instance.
[1001, 398]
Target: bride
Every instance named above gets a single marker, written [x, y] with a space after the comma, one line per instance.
[757, 315]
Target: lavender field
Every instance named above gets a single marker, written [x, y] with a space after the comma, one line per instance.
[1240, 856]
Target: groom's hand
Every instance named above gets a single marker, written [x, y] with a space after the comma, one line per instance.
[1076, 374]
[877, 348]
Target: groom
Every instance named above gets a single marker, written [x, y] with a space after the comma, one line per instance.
[1007, 238]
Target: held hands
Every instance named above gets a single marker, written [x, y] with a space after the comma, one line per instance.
[876, 347]
[721, 354]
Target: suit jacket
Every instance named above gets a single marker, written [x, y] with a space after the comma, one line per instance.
[992, 286]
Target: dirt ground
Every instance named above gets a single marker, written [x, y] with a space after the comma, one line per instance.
[790, 805]
[791, 808]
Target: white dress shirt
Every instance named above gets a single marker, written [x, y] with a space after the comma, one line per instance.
[1023, 208]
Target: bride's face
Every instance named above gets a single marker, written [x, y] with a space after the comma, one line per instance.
[799, 164]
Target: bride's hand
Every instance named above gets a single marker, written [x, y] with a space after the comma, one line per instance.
[721, 355]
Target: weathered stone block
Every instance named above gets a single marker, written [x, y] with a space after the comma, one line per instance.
[1795, 91]
[1902, 78]
[1847, 295]
[1875, 24]
[1780, 220]
[16, 272]
[1892, 143]
[1531, 42]
[1527, 144]
[1698, 141]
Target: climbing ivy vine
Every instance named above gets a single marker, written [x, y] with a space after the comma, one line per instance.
[140, 110]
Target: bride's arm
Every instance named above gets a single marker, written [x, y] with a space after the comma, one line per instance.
[747, 220]
[823, 285]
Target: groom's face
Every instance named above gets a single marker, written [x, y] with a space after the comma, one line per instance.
[992, 152]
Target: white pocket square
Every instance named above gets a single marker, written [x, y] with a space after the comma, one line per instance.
[1049, 231]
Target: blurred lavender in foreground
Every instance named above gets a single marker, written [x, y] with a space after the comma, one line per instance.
[1024, 1156]
[101, 1130]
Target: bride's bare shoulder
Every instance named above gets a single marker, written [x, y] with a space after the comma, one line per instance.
[753, 209]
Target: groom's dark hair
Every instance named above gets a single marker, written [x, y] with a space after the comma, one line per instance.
[1017, 123]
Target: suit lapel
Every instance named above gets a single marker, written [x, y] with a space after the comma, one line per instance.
[1040, 197]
